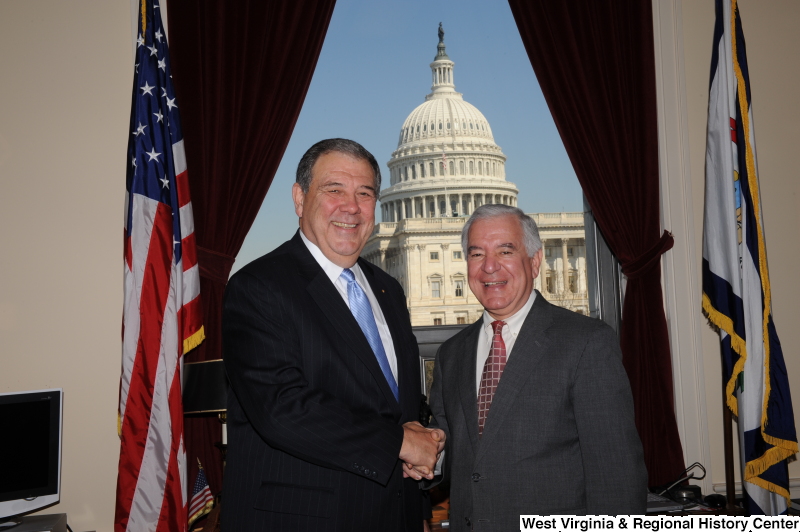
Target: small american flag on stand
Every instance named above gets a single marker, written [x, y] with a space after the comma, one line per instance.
[162, 317]
[202, 501]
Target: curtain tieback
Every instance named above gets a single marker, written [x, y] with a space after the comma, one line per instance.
[647, 260]
[214, 265]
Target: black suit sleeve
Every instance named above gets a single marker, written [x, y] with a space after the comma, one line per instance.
[439, 418]
[438, 421]
[272, 347]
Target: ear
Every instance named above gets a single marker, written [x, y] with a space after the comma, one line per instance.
[298, 196]
[536, 261]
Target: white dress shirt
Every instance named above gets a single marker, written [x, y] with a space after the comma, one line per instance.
[510, 332]
[334, 273]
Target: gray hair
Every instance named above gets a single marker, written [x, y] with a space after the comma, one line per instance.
[345, 146]
[529, 230]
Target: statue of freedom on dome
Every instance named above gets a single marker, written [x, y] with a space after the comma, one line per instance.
[441, 33]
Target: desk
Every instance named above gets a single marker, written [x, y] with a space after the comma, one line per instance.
[441, 510]
[42, 523]
[722, 511]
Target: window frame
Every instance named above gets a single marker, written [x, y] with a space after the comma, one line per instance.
[458, 286]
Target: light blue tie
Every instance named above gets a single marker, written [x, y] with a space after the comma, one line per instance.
[362, 311]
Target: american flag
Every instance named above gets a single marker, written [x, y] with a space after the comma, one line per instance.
[202, 500]
[162, 317]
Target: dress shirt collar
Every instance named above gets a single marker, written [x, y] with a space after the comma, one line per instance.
[513, 322]
[332, 270]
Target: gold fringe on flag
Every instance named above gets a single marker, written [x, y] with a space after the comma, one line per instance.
[194, 340]
[144, 17]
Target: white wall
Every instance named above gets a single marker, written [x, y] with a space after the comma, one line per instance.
[65, 78]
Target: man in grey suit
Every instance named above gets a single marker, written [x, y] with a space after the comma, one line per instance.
[533, 398]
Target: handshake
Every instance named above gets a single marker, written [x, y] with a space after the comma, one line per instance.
[420, 450]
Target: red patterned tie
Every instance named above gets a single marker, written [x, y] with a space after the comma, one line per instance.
[492, 371]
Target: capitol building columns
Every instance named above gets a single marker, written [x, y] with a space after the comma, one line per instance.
[446, 292]
[540, 283]
[564, 265]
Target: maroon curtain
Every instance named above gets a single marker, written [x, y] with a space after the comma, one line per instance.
[594, 60]
[241, 72]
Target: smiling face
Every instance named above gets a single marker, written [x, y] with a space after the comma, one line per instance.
[500, 271]
[338, 211]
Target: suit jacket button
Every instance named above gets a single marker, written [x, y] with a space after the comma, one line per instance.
[476, 477]
[399, 493]
[366, 472]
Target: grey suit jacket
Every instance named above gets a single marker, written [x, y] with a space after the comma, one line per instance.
[560, 436]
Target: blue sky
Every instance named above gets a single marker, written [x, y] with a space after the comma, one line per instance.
[374, 70]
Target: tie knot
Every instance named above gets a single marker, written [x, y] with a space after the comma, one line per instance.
[348, 275]
[497, 326]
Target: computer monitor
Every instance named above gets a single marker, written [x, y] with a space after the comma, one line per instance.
[30, 451]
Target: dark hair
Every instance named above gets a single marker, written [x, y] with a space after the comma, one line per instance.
[530, 231]
[345, 146]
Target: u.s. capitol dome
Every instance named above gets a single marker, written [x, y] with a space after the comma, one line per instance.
[446, 162]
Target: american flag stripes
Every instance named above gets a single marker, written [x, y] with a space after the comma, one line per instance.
[202, 501]
[162, 317]
[736, 288]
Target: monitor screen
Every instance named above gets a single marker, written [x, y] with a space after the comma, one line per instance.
[30, 450]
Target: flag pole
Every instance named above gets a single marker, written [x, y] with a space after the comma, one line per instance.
[727, 429]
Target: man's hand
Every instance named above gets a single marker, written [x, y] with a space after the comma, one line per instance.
[409, 470]
[420, 450]
[439, 436]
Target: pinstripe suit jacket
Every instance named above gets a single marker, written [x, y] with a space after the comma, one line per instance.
[314, 431]
[560, 435]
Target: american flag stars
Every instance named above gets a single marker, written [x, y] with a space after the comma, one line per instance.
[152, 125]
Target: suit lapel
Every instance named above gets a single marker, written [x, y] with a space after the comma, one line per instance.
[466, 376]
[529, 347]
[333, 307]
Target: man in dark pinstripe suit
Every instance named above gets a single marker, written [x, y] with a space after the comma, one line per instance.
[322, 418]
